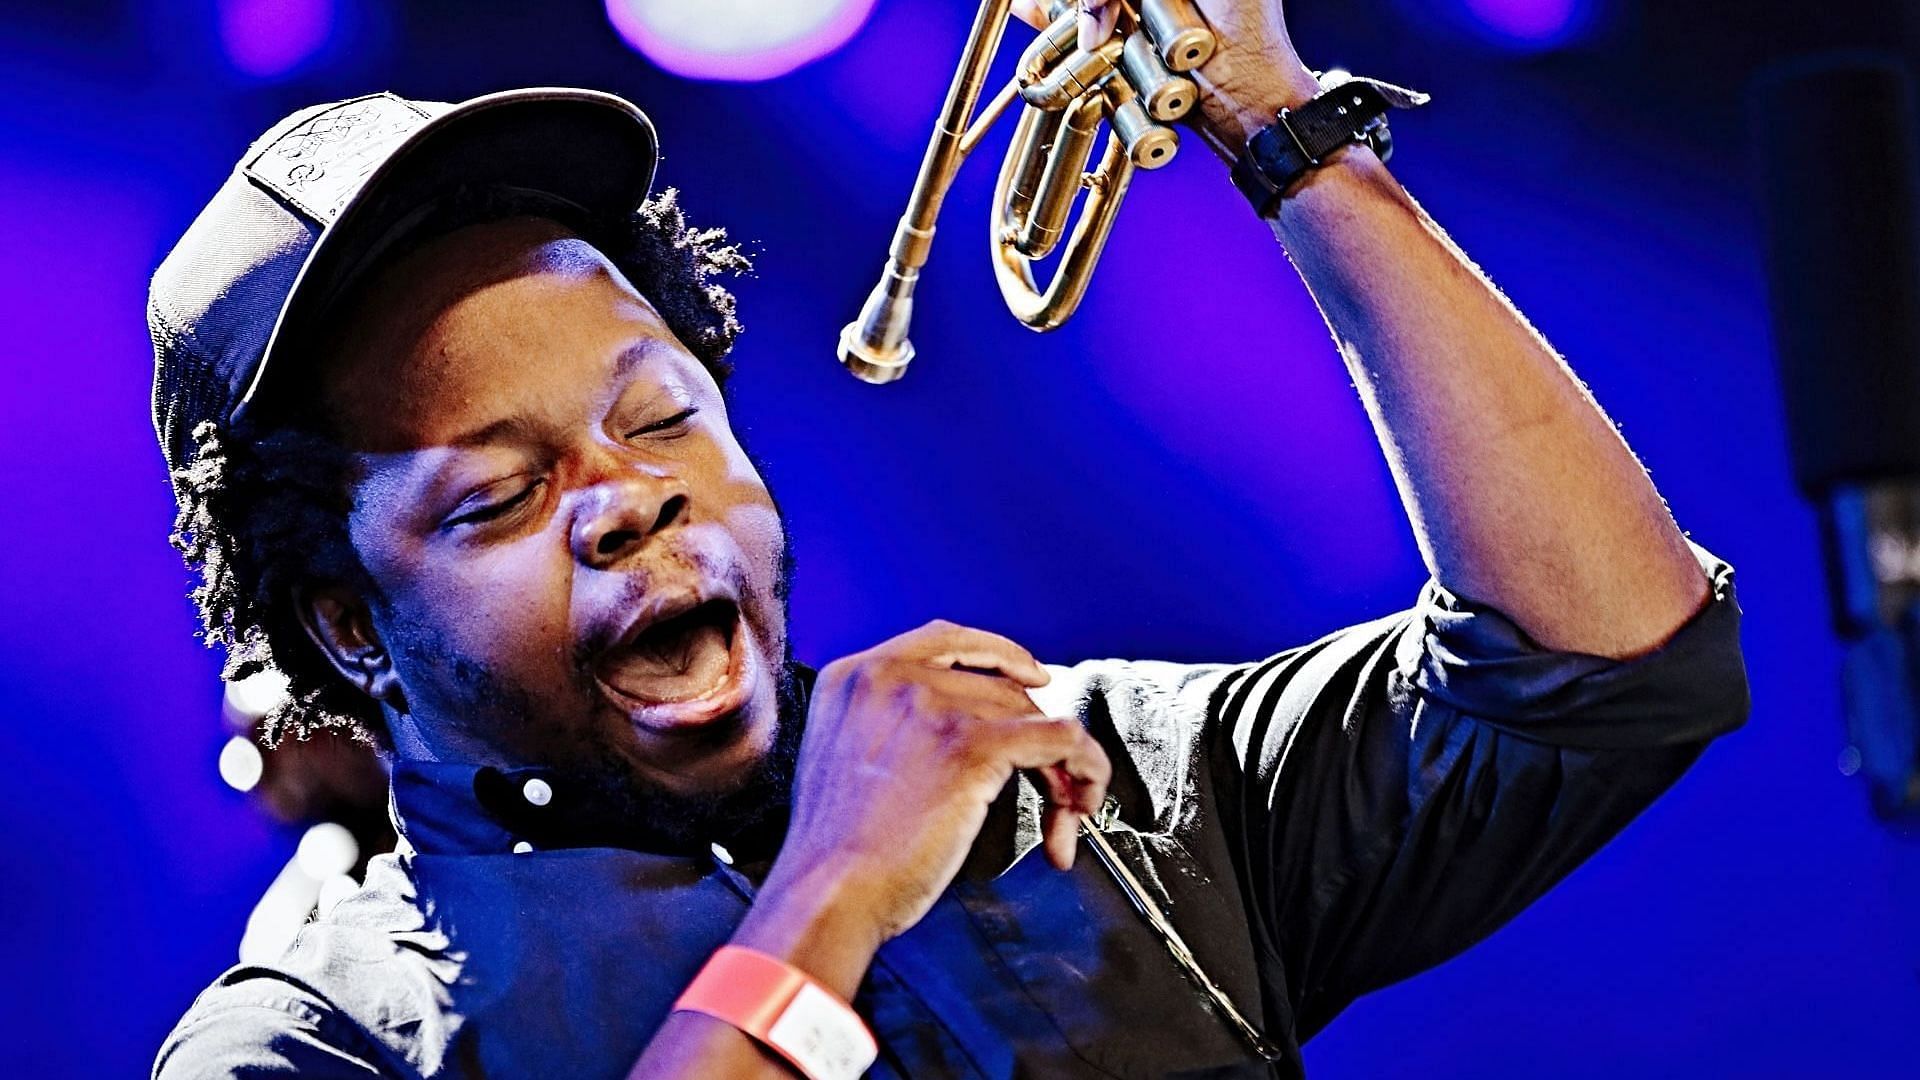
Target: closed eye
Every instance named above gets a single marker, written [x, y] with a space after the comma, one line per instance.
[658, 427]
[489, 512]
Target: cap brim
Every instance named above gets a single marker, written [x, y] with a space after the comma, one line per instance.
[594, 151]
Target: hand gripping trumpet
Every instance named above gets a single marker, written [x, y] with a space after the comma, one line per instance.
[1134, 82]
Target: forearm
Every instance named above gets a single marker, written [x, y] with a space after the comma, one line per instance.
[1521, 493]
[797, 922]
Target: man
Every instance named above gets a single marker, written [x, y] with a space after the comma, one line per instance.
[449, 437]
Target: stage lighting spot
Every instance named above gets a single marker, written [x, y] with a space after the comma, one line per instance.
[327, 849]
[241, 763]
[269, 39]
[257, 695]
[1531, 23]
[736, 40]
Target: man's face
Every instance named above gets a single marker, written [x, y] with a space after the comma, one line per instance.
[577, 564]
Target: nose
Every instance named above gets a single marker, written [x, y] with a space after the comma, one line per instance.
[619, 512]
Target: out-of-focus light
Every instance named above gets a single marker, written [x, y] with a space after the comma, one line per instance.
[326, 849]
[1850, 761]
[257, 695]
[1531, 24]
[270, 39]
[326, 853]
[737, 40]
[241, 763]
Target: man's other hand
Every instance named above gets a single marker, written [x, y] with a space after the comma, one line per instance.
[1253, 73]
[907, 744]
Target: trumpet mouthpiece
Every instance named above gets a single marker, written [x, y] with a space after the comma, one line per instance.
[874, 347]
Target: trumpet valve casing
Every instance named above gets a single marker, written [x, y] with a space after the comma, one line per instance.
[1166, 96]
[1148, 143]
[1180, 33]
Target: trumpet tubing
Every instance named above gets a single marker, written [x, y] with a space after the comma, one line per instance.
[1133, 82]
[1032, 166]
[1079, 76]
[1060, 180]
[1054, 44]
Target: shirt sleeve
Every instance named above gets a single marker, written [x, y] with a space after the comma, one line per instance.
[255, 1028]
[1397, 791]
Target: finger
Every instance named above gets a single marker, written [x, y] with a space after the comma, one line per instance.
[1072, 768]
[950, 645]
[1028, 11]
[1060, 787]
[1097, 20]
[984, 695]
[1060, 832]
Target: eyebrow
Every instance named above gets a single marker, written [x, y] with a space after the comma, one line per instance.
[636, 354]
[504, 429]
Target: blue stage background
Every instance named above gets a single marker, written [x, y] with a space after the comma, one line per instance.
[1182, 473]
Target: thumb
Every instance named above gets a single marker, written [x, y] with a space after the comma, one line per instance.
[1097, 20]
[1028, 11]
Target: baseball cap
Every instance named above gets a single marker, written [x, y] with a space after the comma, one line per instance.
[325, 193]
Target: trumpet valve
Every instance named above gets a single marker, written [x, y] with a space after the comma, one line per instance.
[1150, 144]
[1178, 30]
[1166, 96]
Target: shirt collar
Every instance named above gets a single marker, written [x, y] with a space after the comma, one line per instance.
[456, 808]
[453, 808]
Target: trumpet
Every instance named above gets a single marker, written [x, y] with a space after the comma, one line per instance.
[1135, 82]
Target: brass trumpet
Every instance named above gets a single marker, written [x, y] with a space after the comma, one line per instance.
[1134, 82]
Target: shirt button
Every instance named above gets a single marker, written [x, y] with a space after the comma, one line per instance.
[522, 848]
[723, 854]
[537, 792]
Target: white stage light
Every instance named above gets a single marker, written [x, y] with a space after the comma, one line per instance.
[738, 40]
[256, 695]
[310, 880]
[241, 763]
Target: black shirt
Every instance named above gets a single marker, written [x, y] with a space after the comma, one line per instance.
[1317, 825]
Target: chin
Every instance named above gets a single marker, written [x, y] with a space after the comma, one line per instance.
[717, 757]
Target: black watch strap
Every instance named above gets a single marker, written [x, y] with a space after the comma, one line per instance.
[1299, 140]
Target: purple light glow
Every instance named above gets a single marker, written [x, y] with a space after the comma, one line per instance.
[736, 40]
[268, 39]
[1530, 22]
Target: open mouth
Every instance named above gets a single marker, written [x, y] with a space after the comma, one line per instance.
[684, 669]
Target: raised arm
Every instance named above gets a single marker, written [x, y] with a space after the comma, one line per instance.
[1521, 493]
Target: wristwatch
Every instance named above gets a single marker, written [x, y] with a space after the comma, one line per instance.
[1347, 110]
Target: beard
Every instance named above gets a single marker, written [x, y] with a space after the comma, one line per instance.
[749, 818]
[610, 803]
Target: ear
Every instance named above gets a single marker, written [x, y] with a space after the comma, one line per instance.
[341, 625]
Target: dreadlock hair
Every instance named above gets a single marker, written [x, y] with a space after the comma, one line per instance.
[263, 506]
